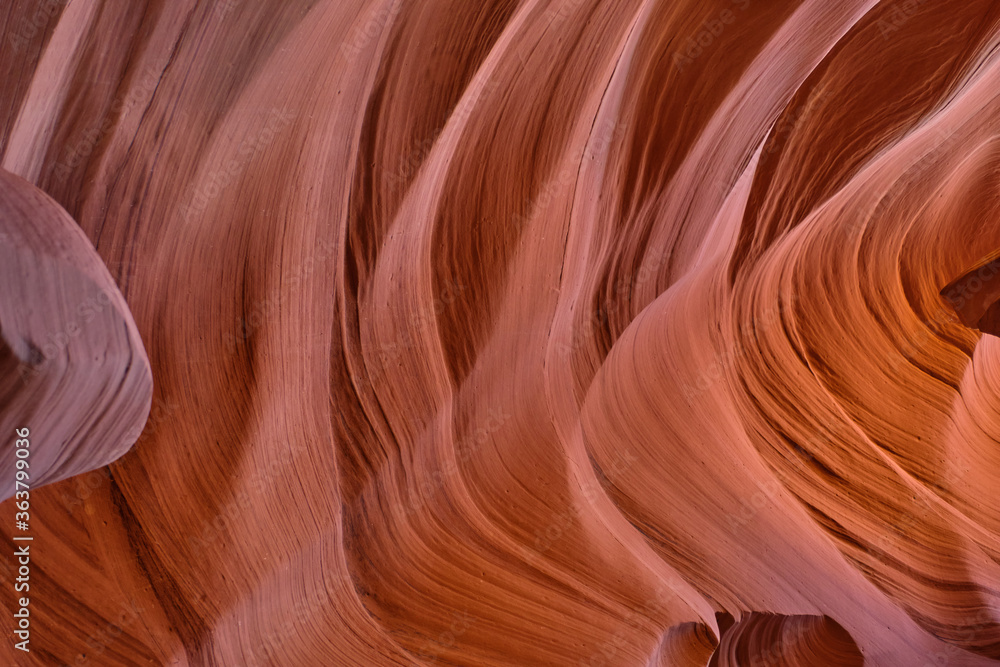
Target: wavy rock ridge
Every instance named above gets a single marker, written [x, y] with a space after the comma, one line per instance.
[528, 333]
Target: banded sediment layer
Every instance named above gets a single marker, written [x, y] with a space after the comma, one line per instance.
[631, 332]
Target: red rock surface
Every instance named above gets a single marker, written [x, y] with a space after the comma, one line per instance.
[527, 333]
[71, 358]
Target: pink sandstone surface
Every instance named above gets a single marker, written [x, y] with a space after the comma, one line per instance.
[539, 332]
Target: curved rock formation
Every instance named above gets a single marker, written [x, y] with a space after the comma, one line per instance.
[73, 373]
[761, 640]
[550, 332]
[975, 296]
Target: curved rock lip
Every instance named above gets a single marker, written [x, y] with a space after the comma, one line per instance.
[975, 296]
[73, 370]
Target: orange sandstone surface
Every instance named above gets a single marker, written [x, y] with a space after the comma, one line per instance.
[542, 332]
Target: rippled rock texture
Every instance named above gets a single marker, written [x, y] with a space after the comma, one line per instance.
[589, 333]
[70, 355]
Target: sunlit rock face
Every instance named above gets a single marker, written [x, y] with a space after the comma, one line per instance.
[585, 333]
